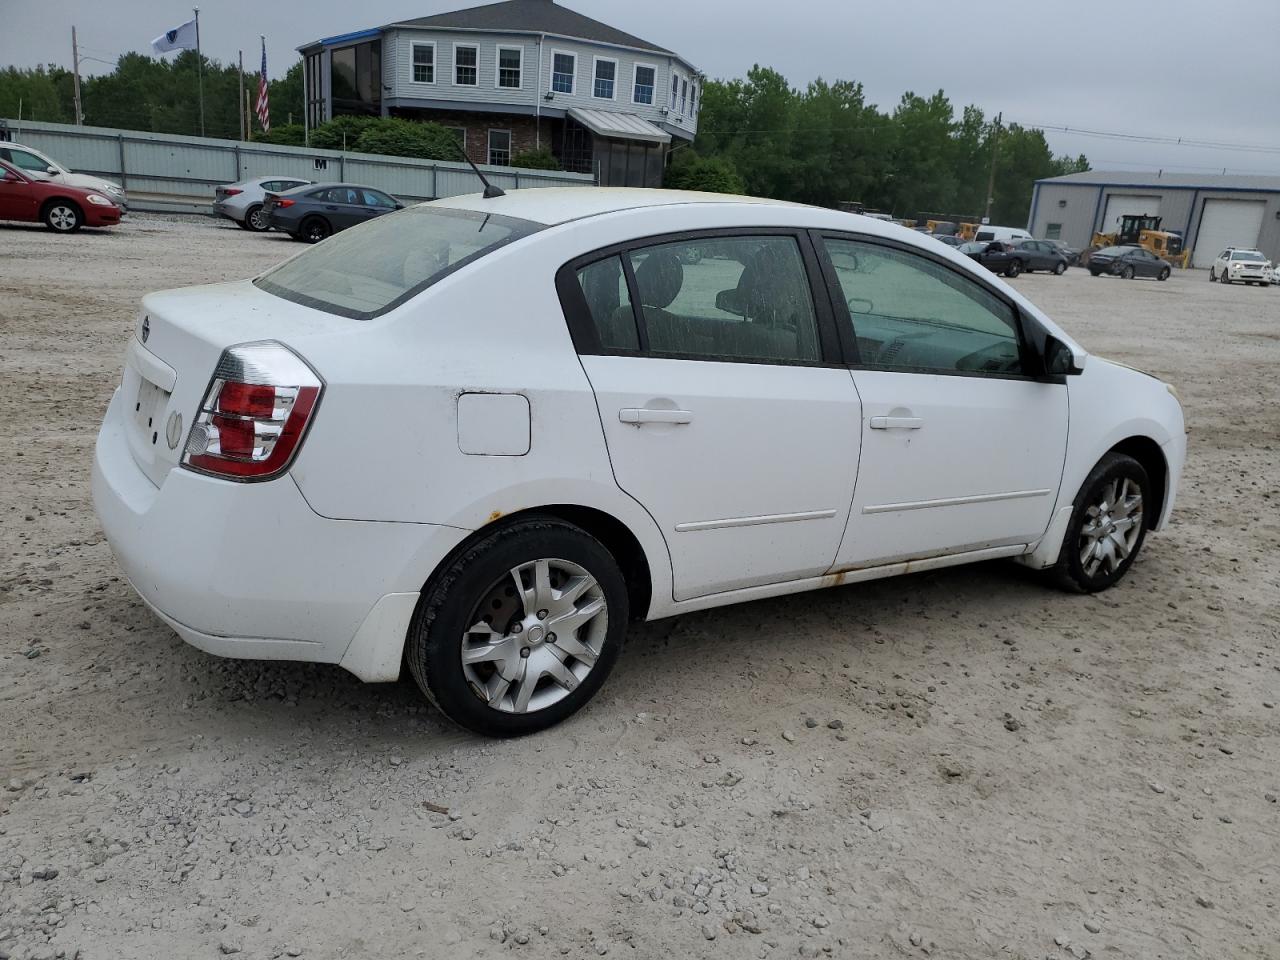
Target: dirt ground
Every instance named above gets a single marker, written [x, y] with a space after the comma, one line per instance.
[962, 763]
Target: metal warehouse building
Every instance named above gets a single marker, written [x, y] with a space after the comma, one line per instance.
[1211, 212]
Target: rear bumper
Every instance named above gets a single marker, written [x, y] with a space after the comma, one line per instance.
[224, 209]
[251, 571]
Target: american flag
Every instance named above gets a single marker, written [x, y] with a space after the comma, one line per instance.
[263, 108]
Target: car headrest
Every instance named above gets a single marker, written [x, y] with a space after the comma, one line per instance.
[659, 279]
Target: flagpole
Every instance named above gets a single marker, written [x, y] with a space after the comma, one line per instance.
[240, 97]
[199, 70]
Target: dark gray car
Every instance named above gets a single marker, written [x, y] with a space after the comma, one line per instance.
[317, 210]
[1129, 262]
[1039, 255]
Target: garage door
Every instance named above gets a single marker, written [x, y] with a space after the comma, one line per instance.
[1227, 223]
[1123, 205]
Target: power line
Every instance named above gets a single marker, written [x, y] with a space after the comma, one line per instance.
[1155, 138]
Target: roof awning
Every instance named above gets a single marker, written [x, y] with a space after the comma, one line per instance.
[619, 126]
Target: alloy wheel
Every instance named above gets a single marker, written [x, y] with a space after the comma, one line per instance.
[534, 636]
[62, 218]
[258, 219]
[1112, 527]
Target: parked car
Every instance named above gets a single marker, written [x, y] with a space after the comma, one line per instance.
[61, 207]
[1238, 265]
[951, 240]
[1071, 254]
[34, 163]
[317, 210]
[1005, 234]
[1040, 255]
[242, 202]
[481, 435]
[996, 256]
[1129, 262]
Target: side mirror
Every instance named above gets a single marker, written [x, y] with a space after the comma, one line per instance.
[1060, 360]
[730, 301]
[52, 171]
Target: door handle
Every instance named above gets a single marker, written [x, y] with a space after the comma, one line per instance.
[639, 415]
[896, 423]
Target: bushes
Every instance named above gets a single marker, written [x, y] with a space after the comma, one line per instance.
[286, 135]
[341, 132]
[542, 159]
[710, 174]
[406, 138]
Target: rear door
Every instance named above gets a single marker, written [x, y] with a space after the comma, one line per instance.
[727, 413]
[962, 449]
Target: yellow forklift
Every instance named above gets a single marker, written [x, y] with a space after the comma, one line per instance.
[1142, 230]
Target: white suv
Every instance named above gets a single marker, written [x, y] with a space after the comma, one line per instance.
[480, 435]
[1241, 266]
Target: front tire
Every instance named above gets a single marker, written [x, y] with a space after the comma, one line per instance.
[520, 629]
[1127, 273]
[1060, 268]
[1095, 273]
[1108, 525]
[62, 216]
[1164, 275]
[1014, 268]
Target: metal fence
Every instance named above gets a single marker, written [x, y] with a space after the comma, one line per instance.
[164, 172]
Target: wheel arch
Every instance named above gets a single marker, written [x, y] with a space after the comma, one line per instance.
[1148, 453]
[50, 201]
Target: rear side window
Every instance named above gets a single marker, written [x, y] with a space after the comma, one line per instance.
[742, 298]
[604, 287]
[911, 313]
[370, 269]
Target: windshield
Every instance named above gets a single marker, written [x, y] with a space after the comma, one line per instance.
[1246, 255]
[369, 269]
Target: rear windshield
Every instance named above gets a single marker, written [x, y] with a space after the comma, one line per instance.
[375, 267]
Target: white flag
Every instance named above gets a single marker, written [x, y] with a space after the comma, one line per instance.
[179, 38]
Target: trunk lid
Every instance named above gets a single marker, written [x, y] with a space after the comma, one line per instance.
[179, 337]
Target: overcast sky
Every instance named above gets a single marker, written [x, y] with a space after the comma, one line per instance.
[1196, 69]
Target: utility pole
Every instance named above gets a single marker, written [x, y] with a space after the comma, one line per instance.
[199, 70]
[240, 96]
[991, 183]
[75, 76]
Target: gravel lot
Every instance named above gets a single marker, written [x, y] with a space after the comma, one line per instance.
[955, 764]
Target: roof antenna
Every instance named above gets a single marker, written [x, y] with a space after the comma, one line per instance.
[490, 191]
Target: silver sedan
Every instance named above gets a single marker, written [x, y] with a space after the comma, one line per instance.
[242, 202]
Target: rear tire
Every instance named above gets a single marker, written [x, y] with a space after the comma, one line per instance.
[1095, 273]
[472, 606]
[1212, 278]
[256, 219]
[1108, 526]
[315, 229]
[1014, 268]
[62, 216]
[1164, 275]
[1127, 273]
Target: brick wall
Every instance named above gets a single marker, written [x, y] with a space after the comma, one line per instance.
[524, 129]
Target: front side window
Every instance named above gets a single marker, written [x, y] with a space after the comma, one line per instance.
[645, 79]
[375, 198]
[606, 75]
[500, 147]
[604, 287]
[424, 63]
[371, 268]
[465, 65]
[563, 68]
[24, 160]
[731, 298]
[910, 313]
[510, 70]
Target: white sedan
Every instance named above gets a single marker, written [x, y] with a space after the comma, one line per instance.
[242, 202]
[479, 436]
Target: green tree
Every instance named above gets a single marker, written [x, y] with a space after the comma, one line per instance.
[708, 174]
[395, 137]
[542, 159]
[36, 93]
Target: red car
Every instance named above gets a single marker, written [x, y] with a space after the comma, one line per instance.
[59, 206]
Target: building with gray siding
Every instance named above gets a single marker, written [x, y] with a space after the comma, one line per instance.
[515, 76]
[1210, 212]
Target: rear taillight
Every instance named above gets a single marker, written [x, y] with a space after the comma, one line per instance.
[230, 191]
[285, 202]
[254, 414]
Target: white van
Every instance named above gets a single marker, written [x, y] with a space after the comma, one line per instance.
[1007, 234]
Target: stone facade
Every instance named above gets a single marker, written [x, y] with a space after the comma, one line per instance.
[478, 123]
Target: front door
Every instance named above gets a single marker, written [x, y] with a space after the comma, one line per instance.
[961, 450]
[17, 198]
[724, 410]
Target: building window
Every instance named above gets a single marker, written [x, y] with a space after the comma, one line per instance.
[645, 79]
[355, 76]
[563, 68]
[606, 74]
[315, 96]
[510, 67]
[424, 63]
[1053, 231]
[684, 96]
[675, 89]
[500, 147]
[466, 60]
[693, 99]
